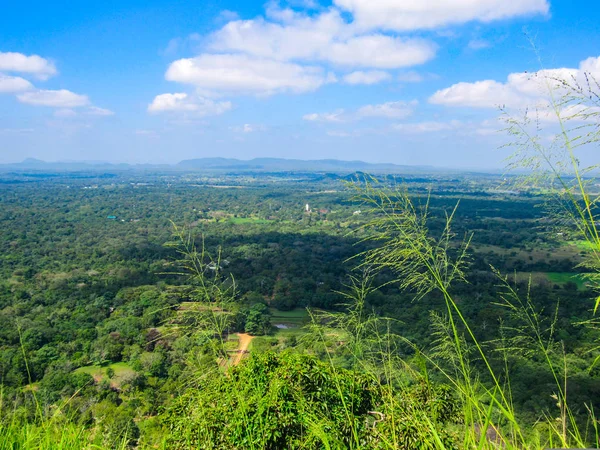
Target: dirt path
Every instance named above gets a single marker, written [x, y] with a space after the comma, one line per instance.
[245, 340]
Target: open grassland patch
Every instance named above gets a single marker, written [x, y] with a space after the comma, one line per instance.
[295, 318]
[565, 277]
[100, 373]
[244, 220]
[559, 278]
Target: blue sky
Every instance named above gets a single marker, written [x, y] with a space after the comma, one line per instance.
[411, 82]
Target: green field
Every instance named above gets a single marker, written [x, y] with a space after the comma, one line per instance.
[122, 370]
[582, 244]
[244, 220]
[565, 277]
[552, 277]
[295, 318]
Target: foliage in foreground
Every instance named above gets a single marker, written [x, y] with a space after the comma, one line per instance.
[288, 400]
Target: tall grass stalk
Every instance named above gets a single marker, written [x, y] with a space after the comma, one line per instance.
[424, 263]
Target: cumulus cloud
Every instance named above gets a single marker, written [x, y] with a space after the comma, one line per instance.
[519, 89]
[171, 102]
[41, 68]
[298, 37]
[286, 51]
[325, 38]
[33, 64]
[481, 94]
[295, 50]
[380, 51]
[366, 77]
[10, 84]
[59, 99]
[244, 74]
[417, 15]
[182, 102]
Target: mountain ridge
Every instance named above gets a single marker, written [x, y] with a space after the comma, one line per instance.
[264, 164]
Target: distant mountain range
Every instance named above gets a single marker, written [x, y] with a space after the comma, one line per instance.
[221, 164]
[295, 165]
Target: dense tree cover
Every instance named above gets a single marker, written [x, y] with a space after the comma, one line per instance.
[288, 400]
[97, 317]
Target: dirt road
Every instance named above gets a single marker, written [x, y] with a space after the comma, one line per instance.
[242, 349]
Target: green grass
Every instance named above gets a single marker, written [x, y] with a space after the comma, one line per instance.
[232, 342]
[565, 277]
[44, 437]
[582, 244]
[295, 318]
[263, 343]
[121, 369]
[244, 220]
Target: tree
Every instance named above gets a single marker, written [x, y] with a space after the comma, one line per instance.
[258, 321]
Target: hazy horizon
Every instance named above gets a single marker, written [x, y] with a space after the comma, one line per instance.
[317, 160]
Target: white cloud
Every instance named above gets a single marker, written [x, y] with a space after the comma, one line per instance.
[299, 37]
[171, 102]
[244, 74]
[591, 65]
[366, 77]
[96, 111]
[519, 90]
[287, 51]
[59, 99]
[469, 128]
[337, 116]
[380, 51]
[27, 93]
[64, 113]
[427, 127]
[325, 37]
[390, 110]
[182, 102]
[481, 94]
[33, 64]
[13, 84]
[418, 14]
